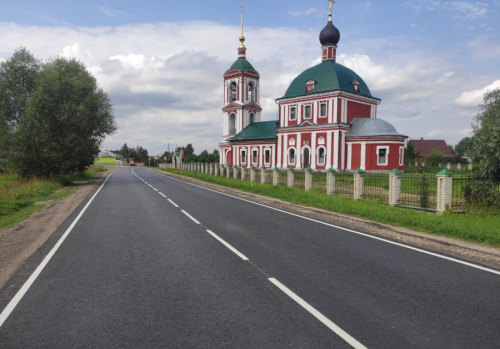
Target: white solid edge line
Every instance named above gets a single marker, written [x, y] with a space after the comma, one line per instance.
[327, 322]
[190, 217]
[20, 294]
[162, 194]
[155, 189]
[235, 251]
[173, 203]
[346, 229]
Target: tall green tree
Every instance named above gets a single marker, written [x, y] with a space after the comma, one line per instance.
[410, 154]
[464, 147]
[66, 118]
[18, 76]
[485, 149]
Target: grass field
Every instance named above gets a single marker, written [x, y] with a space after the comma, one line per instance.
[482, 226]
[19, 198]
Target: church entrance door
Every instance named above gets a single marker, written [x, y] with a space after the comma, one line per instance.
[305, 158]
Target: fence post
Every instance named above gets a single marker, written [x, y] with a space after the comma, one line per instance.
[276, 176]
[228, 171]
[290, 177]
[308, 179]
[235, 172]
[470, 166]
[395, 187]
[263, 175]
[243, 169]
[444, 190]
[459, 166]
[207, 168]
[358, 184]
[211, 169]
[448, 165]
[252, 174]
[330, 181]
[216, 170]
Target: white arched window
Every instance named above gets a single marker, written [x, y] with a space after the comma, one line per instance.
[232, 88]
[251, 92]
[291, 156]
[321, 156]
[252, 117]
[232, 124]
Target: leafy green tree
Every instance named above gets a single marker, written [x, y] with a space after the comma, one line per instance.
[434, 158]
[18, 77]
[464, 147]
[485, 150]
[124, 150]
[410, 154]
[66, 118]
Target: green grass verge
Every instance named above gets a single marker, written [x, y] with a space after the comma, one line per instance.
[19, 198]
[475, 226]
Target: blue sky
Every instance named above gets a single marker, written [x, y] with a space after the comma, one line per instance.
[162, 61]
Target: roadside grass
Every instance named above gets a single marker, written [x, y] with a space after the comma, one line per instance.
[19, 198]
[482, 226]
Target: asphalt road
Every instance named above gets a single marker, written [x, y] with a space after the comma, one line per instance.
[155, 262]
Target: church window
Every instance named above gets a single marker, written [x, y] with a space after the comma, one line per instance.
[251, 92]
[322, 110]
[355, 84]
[307, 113]
[291, 156]
[267, 156]
[293, 113]
[232, 124]
[233, 91]
[254, 156]
[401, 156]
[382, 156]
[252, 117]
[243, 157]
[321, 156]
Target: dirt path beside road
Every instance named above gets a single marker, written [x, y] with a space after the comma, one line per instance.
[19, 242]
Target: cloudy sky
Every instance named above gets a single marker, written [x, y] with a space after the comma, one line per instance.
[162, 61]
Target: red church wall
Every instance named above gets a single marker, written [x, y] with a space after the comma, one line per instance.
[392, 161]
[356, 110]
[230, 158]
[356, 156]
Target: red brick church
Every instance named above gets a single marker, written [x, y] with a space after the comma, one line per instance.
[327, 119]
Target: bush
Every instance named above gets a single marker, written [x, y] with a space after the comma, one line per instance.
[484, 192]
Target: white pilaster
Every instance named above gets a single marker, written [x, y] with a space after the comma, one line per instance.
[349, 156]
[363, 156]
[335, 149]
[329, 150]
[298, 146]
[313, 150]
[342, 156]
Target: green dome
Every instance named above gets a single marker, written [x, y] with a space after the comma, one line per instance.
[241, 64]
[329, 76]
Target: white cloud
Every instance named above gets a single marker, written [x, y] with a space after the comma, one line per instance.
[463, 10]
[112, 13]
[434, 133]
[475, 97]
[466, 131]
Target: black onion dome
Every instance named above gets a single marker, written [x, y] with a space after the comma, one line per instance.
[330, 35]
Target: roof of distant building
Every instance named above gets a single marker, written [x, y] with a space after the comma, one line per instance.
[109, 154]
[256, 130]
[368, 127]
[426, 146]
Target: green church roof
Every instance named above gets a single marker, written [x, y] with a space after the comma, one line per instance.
[242, 64]
[256, 130]
[329, 76]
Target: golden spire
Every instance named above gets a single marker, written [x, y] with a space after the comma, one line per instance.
[330, 11]
[242, 38]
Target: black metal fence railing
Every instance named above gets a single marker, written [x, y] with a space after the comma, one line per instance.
[376, 186]
[319, 181]
[344, 184]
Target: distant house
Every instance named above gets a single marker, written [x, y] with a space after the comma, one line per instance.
[424, 147]
[108, 156]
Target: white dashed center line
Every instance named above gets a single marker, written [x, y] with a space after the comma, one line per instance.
[191, 217]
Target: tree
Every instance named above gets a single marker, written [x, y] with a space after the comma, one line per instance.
[66, 118]
[124, 150]
[485, 150]
[410, 154]
[464, 147]
[18, 77]
[434, 158]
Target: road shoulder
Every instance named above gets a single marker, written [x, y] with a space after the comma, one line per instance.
[18, 243]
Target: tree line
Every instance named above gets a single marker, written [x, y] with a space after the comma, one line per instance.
[53, 115]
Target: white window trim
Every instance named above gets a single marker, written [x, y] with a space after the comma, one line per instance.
[324, 157]
[326, 110]
[265, 152]
[294, 158]
[386, 155]
[305, 112]
[401, 156]
[290, 110]
[243, 158]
